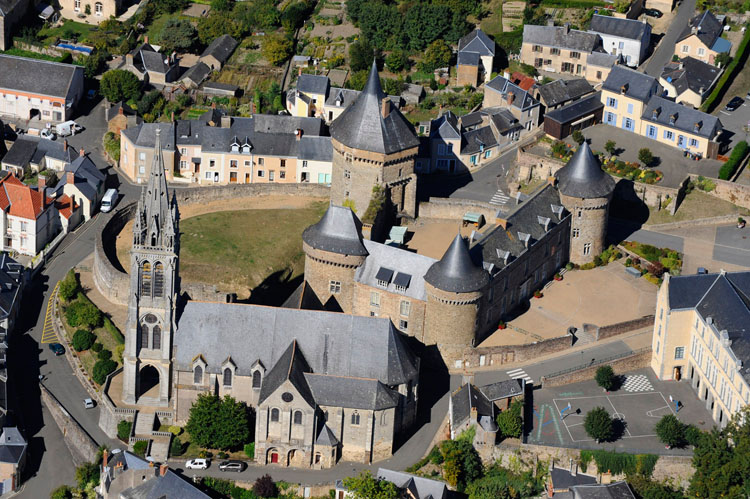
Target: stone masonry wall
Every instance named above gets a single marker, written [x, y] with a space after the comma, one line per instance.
[629, 363]
[508, 354]
[738, 194]
[455, 209]
[82, 447]
[622, 327]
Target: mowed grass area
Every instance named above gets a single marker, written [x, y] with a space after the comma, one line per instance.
[695, 205]
[242, 251]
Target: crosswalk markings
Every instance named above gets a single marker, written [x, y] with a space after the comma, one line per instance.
[499, 198]
[519, 374]
[48, 331]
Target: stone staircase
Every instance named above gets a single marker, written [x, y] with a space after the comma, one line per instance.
[144, 424]
[160, 448]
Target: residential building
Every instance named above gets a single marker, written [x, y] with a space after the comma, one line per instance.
[24, 95]
[11, 12]
[37, 154]
[476, 57]
[314, 157]
[576, 115]
[484, 134]
[127, 476]
[700, 336]
[120, 117]
[150, 65]
[616, 490]
[82, 182]
[501, 92]
[13, 279]
[625, 94]
[89, 12]
[195, 75]
[702, 39]
[411, 486]
[218, 52]
[13, 455]
[220, 89]
[520, 79]
[598, 66]
[444, 145]
[472, 407]
[629, 38]
[412, 94]
[558, 49]
[681, 126]
[689, 81]
[565, 483]
[558, 93]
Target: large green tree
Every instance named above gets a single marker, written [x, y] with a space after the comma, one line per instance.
[218, 423]
[437, 55]
[366, 486]
[605, 377]
[461, 462]
[120, 85]
[598, 424]
[510, 422]
[671, 431]
[277, 49]
[177, 35]
[215, 25]
[425, 23]
[361, 54]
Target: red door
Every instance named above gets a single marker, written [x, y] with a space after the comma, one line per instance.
[274, 458]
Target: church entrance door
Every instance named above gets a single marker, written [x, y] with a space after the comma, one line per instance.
[149, 385]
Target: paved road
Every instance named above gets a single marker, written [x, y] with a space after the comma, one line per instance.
[734, 123]
[663, 53]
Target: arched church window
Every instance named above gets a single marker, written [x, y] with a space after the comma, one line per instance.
[227, 377]
[158, 280]
[198, 375]
[256, 379]
[274, 415]
[156, 337]
[144, 336]
[146, 278]
[355, 418]
[297, 417]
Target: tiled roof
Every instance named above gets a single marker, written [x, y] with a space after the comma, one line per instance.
[64, 205]
[690, 74]
[522, 99]
[523, 81]
[623, 28]
[478, 140]
[22, 74]
[20, 200]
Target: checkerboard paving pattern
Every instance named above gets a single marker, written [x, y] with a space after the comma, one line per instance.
[637, 383]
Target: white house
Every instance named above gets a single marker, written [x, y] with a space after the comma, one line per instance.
[627, 37]
[314, 160]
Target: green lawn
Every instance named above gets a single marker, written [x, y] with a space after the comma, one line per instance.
[695, 205]
[243, 249]
[69, 29]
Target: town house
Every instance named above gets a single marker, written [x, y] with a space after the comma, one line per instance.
[702, 39]
[629, 38]
[558, 49]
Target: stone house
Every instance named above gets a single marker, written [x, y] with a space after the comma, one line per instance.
[476, 58]
[501, 92]
[98, 10]
[11, 11]
[628, 38]
[598, 66]
[558, 49]
[468, 408]
[150, 65]
[689, 81]
[218, 52]
[37, 154]
[83, 183]
[196, 75]
[120, 117]
[702, 39]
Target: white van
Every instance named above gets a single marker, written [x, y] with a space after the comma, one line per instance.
[68, 128]
[109, 200]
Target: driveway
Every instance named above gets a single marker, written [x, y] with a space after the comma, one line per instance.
[663, 53]
[734, 123]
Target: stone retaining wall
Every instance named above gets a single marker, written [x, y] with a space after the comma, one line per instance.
[624, 364]
[622, 327]
[509, 354]
[738, 194]
[82, 447]
[455, 209]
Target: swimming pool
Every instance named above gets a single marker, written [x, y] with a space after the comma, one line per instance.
[69, 46]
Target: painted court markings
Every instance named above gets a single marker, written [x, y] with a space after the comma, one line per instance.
[48, 331]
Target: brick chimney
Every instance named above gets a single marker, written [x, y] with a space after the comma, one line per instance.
[82, 153]
[105, 457]
[163, 469]
[624, 88]
[172, 118]
[299, 71]
[510, 97]
[65, 145]
[298, 133]
[474, 415]
[41, 183]
[385, 107]
[145, 39]
[70, 178]
[121, 110]
[226, 121]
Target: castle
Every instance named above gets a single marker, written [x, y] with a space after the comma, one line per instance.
[331, 374]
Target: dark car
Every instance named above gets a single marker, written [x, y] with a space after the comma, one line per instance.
[237, 466]
[653, 13]
[57, 348]
[734, 103]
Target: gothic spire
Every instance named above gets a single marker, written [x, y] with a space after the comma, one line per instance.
[157, 212]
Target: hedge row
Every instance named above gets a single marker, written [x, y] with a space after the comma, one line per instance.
[729, 73]
[735, 159]
[617, 462]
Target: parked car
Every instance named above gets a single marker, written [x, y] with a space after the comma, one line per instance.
[197, 464]
[57, 348]
[653, 13]
[91, 94]
[88, 404]
[237, 466]
[48, 134]
[735, 103]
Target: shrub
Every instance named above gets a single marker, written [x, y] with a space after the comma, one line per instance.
[97, 347]
[113, 331]
[435, 457]
[569, 266]
[605, 377]
[250, 450]
[222, 455]
[175, 448]
[657, 269]
[621, 463]
[174, 430]
[102, 369]
[510, 422]
[140, 447]
[83, 340]
[735, 159]
[598, 424]
[87, 473]
[559, 148]
[81, 313]
[69, 286]
[264, 486]
[645, 156]
[578, 137]
[728, 77]
[62, 492]
[104, 355]
[119, 349]
[123, 430]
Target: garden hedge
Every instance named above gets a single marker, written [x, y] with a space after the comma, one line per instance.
[735, 159]
[729, 73]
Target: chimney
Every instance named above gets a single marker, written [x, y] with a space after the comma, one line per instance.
[510, 97]
[607, 478]
[567, 28]
[299, 71]
[624, 88]
[145, 38]
[298, 133]
[65, 145]
[226, 121]
[105, 456]
[474, 414]
[172, 119]
[163, 469]
[701, 90]
[70, 178]
[682, 65]
[385, 107]
[41, 183]
[121, 110]
[82, 153]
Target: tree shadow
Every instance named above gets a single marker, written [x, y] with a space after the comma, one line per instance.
[618, 429]
[275, 289]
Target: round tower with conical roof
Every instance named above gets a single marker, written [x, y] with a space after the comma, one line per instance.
[586, 192]
[333, 251]
[455, 289]
[373, 146]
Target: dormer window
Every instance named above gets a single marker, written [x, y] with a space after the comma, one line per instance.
[557, 210]
[525, 238]
[697, 127]
[672, 119]
[402, 282]
[544, 222]
[235, 145]
[383, 277]
[655, 113]
[504, 255]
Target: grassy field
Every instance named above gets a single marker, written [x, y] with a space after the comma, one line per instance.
[69, 29]
[253, 250]
[695, 205]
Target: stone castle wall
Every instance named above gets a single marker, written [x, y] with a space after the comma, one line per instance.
[588, 226]
[455, 209]
[738, 194]
[637, 360]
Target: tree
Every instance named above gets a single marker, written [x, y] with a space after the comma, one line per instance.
[123, 430]
[215, 25]
[218, 423]
[264, 486]
[598, 424]
[221, 5]
[365, 486]
[140, 447]
[510, 422]
[723, 59]
[95, 63]
[69, 286]
[62, 492]
[177, 35]
[82, 340]
[605, 377]
[175, 448]
[391, 86]
[610, 147]
[277, 49]
[293, 15]
[645, 156]
[81, 313]
[396, 60]
[437, 55]
[361, 54]
[671, 431]
[424, 23]
[87, 473]
[578, 137]
[461, 463]
[120, 85]
[357, 80]
[102, 369]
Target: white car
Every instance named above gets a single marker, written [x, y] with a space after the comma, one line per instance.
[48, 134]
[197, 464]
[88, 403]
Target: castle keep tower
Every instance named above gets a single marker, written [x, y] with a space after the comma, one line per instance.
[585, 191]
[153, 291]
[373, 145]
[333, 251]
[455, 290]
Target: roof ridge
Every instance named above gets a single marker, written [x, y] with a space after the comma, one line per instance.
[707, 291]
[342, 376]
[291, 362]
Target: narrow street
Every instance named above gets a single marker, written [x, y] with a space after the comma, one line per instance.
[663, 53]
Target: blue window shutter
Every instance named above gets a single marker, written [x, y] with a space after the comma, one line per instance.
[630, 108]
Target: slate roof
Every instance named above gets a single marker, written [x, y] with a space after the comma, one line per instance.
[332, 343]
[420, 488]
[576, 109]
[561, 91]
[221, 48]
[326, 437]
[197, 73]
[339, 231]
[315, 148]
[724, 297]
[291, 367]
[455, 272]
[478, 140]
[352, 393]
[12, 445]
[478, 42]
[6, 6]
[502, 389]
[154, 486]
[522, 99]
[560, 36]
[707, 28]
[464, 399]
[144, 135]
[468, 59]
[563, 479]
[22, 75]
[685, 117]
[87, 177]
[313, 84]
[362, 126]
[623, 28]
[524, 218]
[617, 490]
[154, 61]
[601, 59]
[503, 120]
[400, 262]
[29, 149]
[11, 273]
[583, 176]
[690, 74]
[445, 126]
[637, 85]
